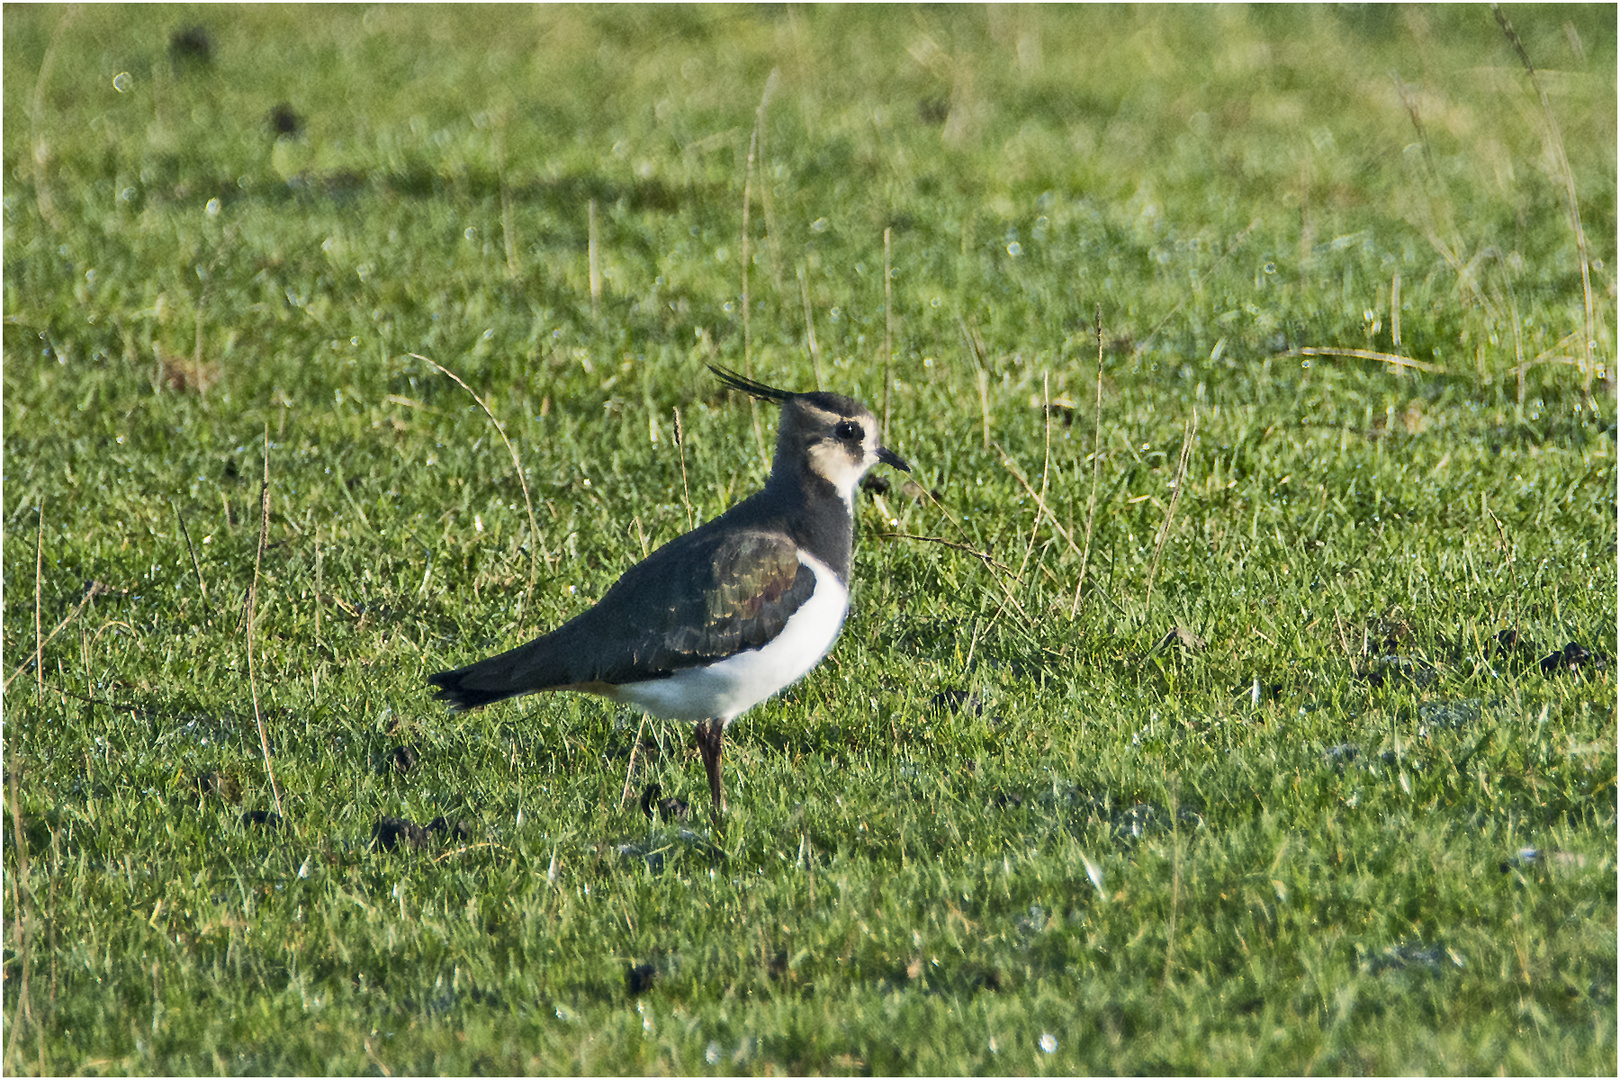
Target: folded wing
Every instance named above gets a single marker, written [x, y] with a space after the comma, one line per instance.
[700, 598]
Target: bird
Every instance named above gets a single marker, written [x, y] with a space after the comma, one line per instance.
[720, 618]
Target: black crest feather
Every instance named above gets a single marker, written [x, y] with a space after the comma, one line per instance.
[744, 384]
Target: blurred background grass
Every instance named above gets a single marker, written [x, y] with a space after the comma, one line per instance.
[1118, 152]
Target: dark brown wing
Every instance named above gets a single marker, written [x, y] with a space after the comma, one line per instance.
[697, 599]
[701, 604]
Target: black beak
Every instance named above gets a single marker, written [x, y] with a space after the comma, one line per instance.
[889, 457]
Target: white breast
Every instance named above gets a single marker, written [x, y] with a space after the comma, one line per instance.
[725, 690]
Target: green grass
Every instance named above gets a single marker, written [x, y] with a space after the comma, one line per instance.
[993, 832]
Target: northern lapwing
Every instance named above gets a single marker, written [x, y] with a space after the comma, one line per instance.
[717, 620]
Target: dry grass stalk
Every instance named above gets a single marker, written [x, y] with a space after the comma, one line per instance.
[1552, 356]
[984, 404]
[1410, 102]
[508, 225]
[975, 349]
[1438, 226]
[747, 302]
[1395, 309]
[1556, 143]
[195, 564]
[974, 343]
[810, 329]
[509, 230]
[1507, 560]
[19, 884]
[1096, 472]
[20, 924]
[1068, 537]
[251, 629]
[1432, 226]
[96, 589]
[630, 767]
[537, 542]
[41, 150]
[593, 258]
[464, 848]
[1368, 354]
[1010, 597]
[1518, 352]
[1046, 468]
[1040, 500]
[984, 557]
[686, 490]
[765, 189]
[375, 1060]
[39, 573]
[1170, 511]
[888, 328]
[318, 604]
[196, 342]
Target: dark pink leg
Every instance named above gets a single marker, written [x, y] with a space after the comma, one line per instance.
[709, 736]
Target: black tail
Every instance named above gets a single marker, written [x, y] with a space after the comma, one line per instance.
[527, 669]
[455, 689]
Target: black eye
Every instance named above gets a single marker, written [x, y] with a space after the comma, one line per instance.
[849, 431]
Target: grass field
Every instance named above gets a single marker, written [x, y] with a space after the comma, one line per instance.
[1234, 729]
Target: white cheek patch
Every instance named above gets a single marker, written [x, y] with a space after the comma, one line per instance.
[830, 461]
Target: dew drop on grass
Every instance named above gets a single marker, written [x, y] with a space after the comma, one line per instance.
[1048, 1043]
[122, 82]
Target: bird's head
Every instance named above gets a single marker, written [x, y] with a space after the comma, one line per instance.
[831, 436]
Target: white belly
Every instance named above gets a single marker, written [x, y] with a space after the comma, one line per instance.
[726, 690]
